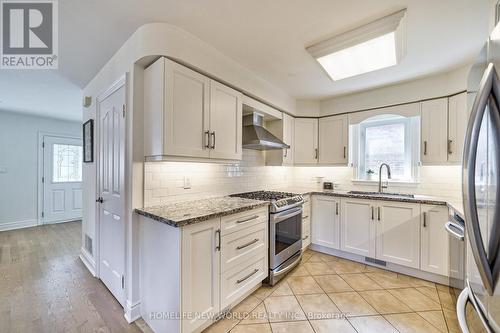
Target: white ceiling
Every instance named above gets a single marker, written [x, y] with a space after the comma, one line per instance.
[269, 37]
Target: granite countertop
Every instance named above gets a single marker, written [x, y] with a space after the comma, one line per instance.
[455, 205]
[184, 213]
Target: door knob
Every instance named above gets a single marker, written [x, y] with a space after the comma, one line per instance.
[99, 200]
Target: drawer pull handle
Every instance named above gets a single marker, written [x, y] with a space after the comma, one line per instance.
[305, 238]
[217, 233]
[336, 208]
[305, 217]
[248, 219]
[247, 277]
[247, 244]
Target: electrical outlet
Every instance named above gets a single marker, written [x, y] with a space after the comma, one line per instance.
[187, 183]
[3, 169]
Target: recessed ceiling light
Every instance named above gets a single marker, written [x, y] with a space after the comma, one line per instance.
[379, 44]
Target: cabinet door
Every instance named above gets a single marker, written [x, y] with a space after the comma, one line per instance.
[357, 227]
[398, 233]
[325, 221]
[435, 241]
[200, 272]
[288, 138]
[434, 131]
[186, 112]
[333, 138]
[306, 141]
[225, 122]
[458, 117]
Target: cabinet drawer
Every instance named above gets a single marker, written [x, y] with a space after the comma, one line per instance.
[236, 222]
[241, 279]
[242, 246]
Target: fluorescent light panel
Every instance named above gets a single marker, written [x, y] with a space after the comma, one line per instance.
[362, 58]
[376, 45]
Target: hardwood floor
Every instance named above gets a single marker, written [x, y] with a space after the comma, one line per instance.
[44, 286]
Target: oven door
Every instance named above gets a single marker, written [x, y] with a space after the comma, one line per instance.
[285, 235]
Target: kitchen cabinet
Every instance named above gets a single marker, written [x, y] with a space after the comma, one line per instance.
[434, 131]
[188, 115]
[306, 141]
[333, 140]
[326, 221]
[200, 272]
[357, 226]
[202, 268]
[306, 222]
[398, 233]
[283, 129]
[434, 240]
[458, 117]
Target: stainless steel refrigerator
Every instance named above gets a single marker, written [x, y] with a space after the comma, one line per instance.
[478, 306]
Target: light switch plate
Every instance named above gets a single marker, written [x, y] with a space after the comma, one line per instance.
[3, 169]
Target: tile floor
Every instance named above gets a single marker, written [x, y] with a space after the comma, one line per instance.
[329, 294]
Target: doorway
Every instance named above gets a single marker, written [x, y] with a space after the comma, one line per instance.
[61, 179]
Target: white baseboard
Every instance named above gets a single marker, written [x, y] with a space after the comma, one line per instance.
[4, 226]
[88, 261]
[132, 311]
[62, 221]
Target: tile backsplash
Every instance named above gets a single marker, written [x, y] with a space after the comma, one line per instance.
[167, 182]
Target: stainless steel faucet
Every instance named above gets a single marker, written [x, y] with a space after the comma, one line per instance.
[380, 187]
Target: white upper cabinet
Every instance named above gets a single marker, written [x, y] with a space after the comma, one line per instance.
[306, 141]
[326, 221]
[357, 226]
[283, 129]
[225, 122]
[458, 117]
[434, 138]
[435, 241]
[333, 140]
[398, 233]
[188, 115]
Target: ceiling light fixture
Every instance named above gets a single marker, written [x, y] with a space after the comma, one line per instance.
[376, 45]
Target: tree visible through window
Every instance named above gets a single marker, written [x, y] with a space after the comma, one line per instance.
[385, 140]
[67, 163]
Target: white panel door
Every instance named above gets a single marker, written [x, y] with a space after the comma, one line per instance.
[434, 131]
[398, 233]
[357, 227]
[435, 240]
[288, 138]
[62, 179]
[333, 138]
[326, 221]
[200, 272]
[187, 102]
[306, 141]
[111, 159]
[458, 117]
[225, 122]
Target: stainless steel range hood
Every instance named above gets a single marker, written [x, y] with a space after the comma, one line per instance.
[256, 137]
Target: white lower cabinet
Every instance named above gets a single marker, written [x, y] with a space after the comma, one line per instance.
[435, 242]
[357, 227]
[398, 233]
[326, 221]
[200, 270]
[306, 222]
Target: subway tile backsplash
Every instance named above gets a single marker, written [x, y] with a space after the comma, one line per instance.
[167, 182]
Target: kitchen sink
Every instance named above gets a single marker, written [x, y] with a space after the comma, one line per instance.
[383, 194]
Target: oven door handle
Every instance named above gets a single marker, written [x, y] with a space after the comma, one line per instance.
[286, 214]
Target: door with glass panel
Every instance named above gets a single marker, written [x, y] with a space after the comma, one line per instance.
[62, 179]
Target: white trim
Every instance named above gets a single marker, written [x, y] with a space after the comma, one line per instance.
[88, 261]
[4, 226]
[132, 311]
[39, 184]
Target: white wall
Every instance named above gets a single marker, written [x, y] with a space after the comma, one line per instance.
[415, 90]
[19, 155]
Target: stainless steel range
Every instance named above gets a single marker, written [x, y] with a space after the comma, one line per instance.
[285, 230]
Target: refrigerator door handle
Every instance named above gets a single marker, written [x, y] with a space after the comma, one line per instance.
[466, 296]
[489, 84]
